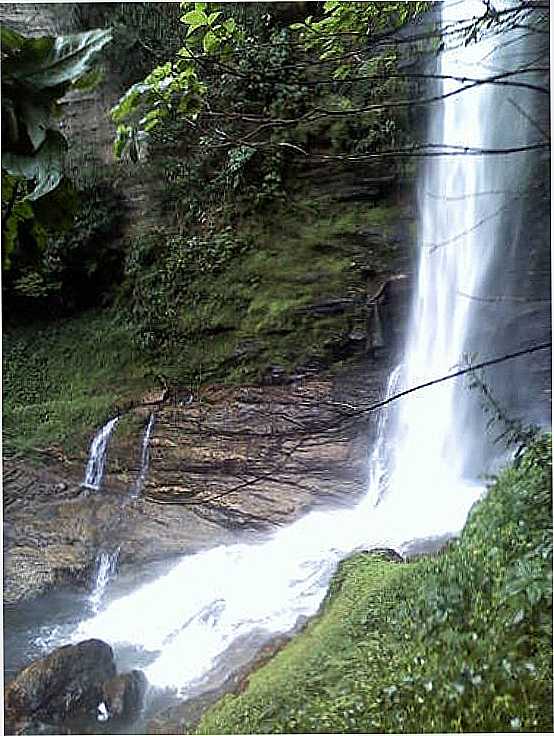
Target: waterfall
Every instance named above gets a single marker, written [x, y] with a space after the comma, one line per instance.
[423, 470]
[440, 439]
[97, 455]
[144, 458]
[106, 565]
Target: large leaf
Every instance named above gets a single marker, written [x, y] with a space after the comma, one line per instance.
[44, 167]
[58, 61]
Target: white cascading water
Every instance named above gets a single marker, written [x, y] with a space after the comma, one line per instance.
[144, 458]
[97, 455]
[106, 562]
[187, 619]
[106, 568]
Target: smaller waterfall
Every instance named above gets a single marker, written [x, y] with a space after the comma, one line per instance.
[97, 455]
[144, 458]
[106, 566]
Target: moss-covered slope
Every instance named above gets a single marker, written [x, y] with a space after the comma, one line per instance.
[457, 642]
[292, 295]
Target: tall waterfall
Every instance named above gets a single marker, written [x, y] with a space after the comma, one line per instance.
[423, 477]
[470, 212]
[97, 455]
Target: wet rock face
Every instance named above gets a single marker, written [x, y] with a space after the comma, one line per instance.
[52, 538]
[65, 684]
[234, 461]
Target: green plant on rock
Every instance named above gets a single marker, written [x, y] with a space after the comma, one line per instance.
[36, 73]
[167, 277]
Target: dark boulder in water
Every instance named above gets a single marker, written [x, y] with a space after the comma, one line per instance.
[65, 684]
[123, 695]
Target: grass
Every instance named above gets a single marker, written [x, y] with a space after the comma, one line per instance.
[453, 643]
[63, 380]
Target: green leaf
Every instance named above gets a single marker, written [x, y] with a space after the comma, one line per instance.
[129, 102]
[44, 167]
[230, 25]
[210, 42]
[51, 62]
[212, 17]
[123, 136]
[342, 72]
[185, 53]
[195, 19]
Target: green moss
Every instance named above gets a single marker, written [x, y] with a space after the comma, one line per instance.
[63, 380]
[457, 642]
[256, 313]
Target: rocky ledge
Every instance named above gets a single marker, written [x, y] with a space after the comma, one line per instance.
[227, 462]
[224, 462]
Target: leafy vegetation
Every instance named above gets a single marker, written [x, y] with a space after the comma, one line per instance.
[235, 301]
[460, 642]
[36, 73]
[38, 202]
[80, 262]
[220, 39]
[63, 380]
[243, 93]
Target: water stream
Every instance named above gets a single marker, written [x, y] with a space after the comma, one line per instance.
[424, 471]
[144, 458]
[97, 456]
[106, 568]
[106, 560]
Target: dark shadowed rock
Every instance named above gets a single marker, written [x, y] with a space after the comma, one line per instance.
[387, 553]
[66, 683]
[123, 695]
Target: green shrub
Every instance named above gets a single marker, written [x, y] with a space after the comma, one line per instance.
[75, 269]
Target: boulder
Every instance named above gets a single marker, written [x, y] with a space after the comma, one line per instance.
[66, 683]
[123, 695]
